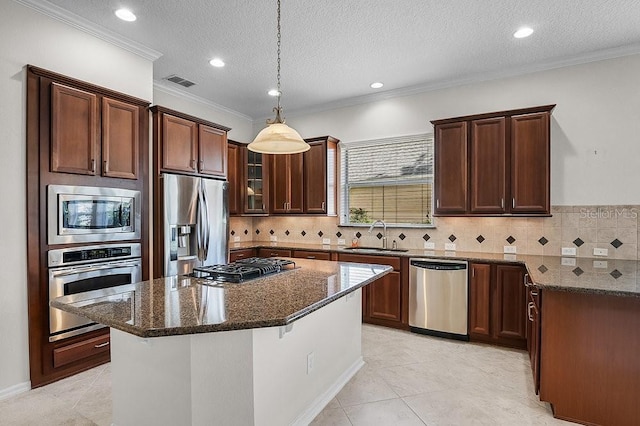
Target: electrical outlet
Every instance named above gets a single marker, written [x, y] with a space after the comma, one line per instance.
[430, 246]
[568, 261]
[236, 239]
[509, 249]
[310, 362]
[326, 241]
[569, 251]
[602, 264]
[341, 242]
[509, 256]
[600, 252]
[273, 238]
[450, 246]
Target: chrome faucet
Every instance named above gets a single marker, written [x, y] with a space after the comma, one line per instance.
[384, 236]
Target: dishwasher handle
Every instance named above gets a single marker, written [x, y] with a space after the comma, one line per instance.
[439, 266]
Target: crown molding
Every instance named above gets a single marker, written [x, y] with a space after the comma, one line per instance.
[599, 55]
[164, 87]
[76, 21]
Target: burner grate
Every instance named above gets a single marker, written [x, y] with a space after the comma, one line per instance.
[243, 270]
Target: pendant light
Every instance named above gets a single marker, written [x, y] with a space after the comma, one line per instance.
[277, 137]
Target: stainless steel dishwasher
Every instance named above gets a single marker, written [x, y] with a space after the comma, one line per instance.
[438, 299]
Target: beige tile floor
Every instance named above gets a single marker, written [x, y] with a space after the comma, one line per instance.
[408, 379]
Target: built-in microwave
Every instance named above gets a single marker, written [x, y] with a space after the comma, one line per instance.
[80, 214]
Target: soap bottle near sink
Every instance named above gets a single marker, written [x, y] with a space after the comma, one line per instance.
[355, 242]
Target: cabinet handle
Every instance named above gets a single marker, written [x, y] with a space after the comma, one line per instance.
[284, 205]
[311, 257]
[201, 165]
[193, 164]
[534, 293]
[529, 315]
[438, 203]
[526, 280]
[273, 254]
[101, 345]
[106, 166]
[263, 207]
[93, 165]
[502, 203]
[323, 204]
[473, 272]
[513, 203]
[239, 255]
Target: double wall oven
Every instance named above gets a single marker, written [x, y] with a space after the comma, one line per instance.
[100, 230]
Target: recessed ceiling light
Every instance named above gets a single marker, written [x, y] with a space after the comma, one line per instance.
[376, 85]
[217, 62]
[126, 15]
[523, 32]
[273, 92]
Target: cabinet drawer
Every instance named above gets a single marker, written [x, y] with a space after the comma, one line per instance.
[241, 254]
[76, 351]
[394, 262]
[310, 254]
[267, 252]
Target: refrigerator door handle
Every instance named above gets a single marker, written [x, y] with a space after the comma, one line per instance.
[206, 232]
[200, 225]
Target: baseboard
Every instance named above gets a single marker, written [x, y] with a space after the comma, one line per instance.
[323, 399]
[14, 390]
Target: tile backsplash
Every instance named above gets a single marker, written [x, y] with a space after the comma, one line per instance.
[614, 228]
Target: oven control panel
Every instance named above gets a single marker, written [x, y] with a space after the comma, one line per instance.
[86, 254]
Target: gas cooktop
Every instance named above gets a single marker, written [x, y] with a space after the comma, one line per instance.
[243, 270]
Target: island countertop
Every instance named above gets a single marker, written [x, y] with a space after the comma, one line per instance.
[185, 305]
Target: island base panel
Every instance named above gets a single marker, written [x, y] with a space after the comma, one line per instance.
[254, 377]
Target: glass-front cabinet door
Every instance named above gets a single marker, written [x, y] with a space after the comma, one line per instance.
[256, 188]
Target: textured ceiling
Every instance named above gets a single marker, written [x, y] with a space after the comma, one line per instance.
[333, 49]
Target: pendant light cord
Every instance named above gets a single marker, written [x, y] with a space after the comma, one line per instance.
[278, 109]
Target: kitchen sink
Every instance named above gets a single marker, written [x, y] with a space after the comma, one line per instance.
[375, 250]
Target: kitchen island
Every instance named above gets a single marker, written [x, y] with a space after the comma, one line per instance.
[273, 350]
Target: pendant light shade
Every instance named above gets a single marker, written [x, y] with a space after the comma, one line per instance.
[277, 137]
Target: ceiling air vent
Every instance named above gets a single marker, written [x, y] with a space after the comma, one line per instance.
[179, 80]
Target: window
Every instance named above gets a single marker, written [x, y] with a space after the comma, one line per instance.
[389, 179]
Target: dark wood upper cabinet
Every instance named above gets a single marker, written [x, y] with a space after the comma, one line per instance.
[488, 165]
[493, 164]
[189, 145]
[74, 130]
[256, 178]
[451, 178]
[530, 163]
[234, 177]
[120, 139]
[286, 191]
[320, 176]
[179, 144]
[212, 144]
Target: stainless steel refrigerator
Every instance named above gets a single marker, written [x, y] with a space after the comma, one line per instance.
[196, 223]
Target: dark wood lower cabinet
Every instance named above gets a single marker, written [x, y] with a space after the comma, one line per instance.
[385, 301]
[241, 254]
[497, 304]
[589, 369]
[273, 252]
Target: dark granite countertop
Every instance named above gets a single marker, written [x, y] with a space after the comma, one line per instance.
[183, 305]
[586, 275]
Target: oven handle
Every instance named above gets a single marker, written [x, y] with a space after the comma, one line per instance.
[77, 270]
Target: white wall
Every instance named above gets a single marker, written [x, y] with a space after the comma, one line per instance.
[595, 133]
[27, 37]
